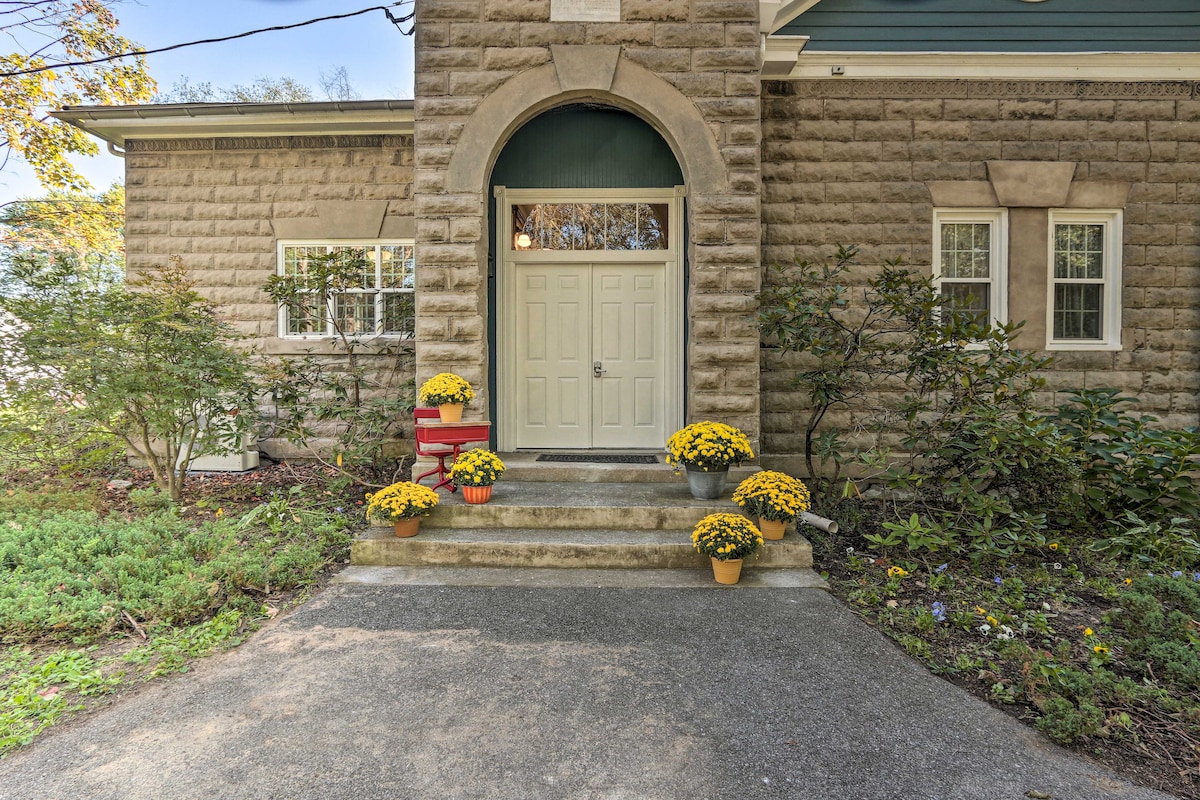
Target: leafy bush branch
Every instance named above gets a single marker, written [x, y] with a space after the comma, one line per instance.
[149, 362]
[361, 396]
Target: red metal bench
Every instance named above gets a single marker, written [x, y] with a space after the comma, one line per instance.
[442, 440]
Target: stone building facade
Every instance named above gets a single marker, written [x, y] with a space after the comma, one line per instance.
[868, 162]
[780, 147]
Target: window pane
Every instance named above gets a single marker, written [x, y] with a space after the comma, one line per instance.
[969, 297]
[398, 314]
[355, 313]
[359, 266]
[1077, 311]
[296, 260]
[308, 317]
[398, 268]
[1079, 251]
[966, 250]
[590, 226]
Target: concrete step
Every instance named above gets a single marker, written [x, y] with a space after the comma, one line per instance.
[578, 505]
[752, 578]
[558, 548]
[525, 467]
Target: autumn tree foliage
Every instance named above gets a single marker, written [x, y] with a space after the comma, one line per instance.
[42, 73]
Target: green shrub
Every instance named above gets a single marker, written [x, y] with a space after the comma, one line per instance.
[1171, 544]
[155, 362]
[1131, 465]
[1157, 618]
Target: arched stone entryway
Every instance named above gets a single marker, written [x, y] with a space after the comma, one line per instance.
[586, 296]
[455, 327]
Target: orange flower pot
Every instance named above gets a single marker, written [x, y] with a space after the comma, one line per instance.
[476, 495]
[727, 572]
[407, 527]
[451, 412]
[771, 528]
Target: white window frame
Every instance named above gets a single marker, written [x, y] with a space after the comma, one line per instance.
[378, 291]
[997, 218]
[1110, 308]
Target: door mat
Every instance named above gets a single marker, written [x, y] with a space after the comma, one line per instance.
[598, 458]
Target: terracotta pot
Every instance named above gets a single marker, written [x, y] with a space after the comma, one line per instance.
[407, 527]
[476, 495]
[727, 571]
[451, 412]
[771, 528]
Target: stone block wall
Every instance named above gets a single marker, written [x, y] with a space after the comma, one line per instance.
[704, 52]
[851, 162]
[222, 205]
[217, 204]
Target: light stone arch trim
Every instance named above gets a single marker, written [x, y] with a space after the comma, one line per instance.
[634, 88]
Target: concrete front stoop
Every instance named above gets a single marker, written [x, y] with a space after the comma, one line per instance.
[593, 520]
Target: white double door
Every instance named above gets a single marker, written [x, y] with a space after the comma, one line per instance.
[591, 362]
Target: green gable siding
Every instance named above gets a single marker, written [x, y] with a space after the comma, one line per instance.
[1054, 26]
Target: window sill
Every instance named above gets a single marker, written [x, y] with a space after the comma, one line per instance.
[329, 345]
[1108, 347]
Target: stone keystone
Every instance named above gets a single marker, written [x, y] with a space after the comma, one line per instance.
[585, 66]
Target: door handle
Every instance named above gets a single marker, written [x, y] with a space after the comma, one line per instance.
[597, 370]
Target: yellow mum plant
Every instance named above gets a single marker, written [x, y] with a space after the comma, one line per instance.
[725, 536]
[446, 387]
[708, 446]
[476, 467]
[773, 495]
[403, 500]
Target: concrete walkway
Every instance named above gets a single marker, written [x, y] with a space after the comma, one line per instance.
[569, 692]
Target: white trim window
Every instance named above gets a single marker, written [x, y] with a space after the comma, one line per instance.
[970, 261]
[1084, 308]
[376, 300]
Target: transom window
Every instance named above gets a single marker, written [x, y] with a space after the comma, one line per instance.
[355, 289]
[969, 263]
[590, 226]
[1085, 279]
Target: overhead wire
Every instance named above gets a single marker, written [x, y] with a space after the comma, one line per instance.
[396, 20]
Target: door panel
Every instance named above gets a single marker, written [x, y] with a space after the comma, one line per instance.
[554, 349]
[628, 340]
[570, 316]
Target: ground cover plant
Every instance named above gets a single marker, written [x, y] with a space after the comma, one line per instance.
[1100, 655]
[102, 588]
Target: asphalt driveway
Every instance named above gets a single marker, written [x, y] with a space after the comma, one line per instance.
[475, 692]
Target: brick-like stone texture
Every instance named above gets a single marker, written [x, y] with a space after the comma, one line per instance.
[211, 201]
[846, 162]
[709, 51]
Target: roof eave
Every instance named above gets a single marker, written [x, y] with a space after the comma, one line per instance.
[119, 124]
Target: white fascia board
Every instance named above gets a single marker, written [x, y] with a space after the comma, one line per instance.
[780, 61]
[984, 66]
[118, 128]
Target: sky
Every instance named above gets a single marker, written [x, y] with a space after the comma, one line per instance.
[377, 57]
